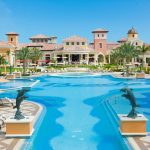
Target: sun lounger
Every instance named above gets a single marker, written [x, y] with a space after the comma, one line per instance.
[5, 101]
[2, 121]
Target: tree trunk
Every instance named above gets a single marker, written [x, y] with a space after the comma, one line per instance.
[143, 61]
[24, 67]
[4, 66]
[124, 61]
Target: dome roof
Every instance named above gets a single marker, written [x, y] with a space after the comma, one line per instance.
[132, 31]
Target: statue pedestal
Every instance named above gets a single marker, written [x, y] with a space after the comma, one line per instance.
[140, 75]
[17, 74]
[19, 128]
[10, 76]
[129, 126]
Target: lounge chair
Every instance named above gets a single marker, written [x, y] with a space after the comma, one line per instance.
[5, 101]
[2, 121]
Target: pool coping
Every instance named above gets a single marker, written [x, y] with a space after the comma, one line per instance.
[113, 74]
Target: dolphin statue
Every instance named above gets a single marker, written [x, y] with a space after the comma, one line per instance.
[128, 94]
[20, 97]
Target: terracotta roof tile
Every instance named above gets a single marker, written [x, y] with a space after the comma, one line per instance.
[12, 33]
[42, 46]
[112, 45]
[75, 39]
[123, 39]
[47, 46]
[5, 44]
[100, 30]
[21, 45]
[39, 36]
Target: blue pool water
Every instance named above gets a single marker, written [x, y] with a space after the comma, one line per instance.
[76, 117]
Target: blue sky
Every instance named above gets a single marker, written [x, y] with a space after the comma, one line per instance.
[64, 18]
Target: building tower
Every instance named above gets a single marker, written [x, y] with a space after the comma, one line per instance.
[132, 34]
[12, 38]
[100, 40]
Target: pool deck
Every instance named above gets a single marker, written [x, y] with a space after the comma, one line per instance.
[118, 75]
[114, 74]
[28, 109]
[140, 142]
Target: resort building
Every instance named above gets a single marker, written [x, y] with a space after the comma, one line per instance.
[73, 50]
[7, 49]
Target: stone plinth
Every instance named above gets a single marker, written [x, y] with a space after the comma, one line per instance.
[140, 75]
[129, 126]
[19, 128]
[10, 76]
[17, 74]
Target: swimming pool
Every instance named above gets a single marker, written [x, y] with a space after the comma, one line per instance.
[16, 83]
[76, 117]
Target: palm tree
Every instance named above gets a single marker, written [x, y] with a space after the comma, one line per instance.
[8, 55]
[128, 51]
[36, 54]
[142, 50]
[115, 56]
[24, 55]
[2, 61]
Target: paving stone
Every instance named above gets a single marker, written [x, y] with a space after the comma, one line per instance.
[27, 109]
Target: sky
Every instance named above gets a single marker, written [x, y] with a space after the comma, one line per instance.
[64, 18]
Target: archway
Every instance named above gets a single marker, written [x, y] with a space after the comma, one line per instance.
[100, 58]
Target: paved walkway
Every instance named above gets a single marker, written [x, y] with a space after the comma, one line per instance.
[27, 109]
[143, 142]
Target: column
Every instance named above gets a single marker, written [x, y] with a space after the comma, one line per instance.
[95, 59]
[104, 59]
[69, 58]
[87, 59]
[55, 59]
[132, 60]
[81, 58]
[63, 58]
[144, 60]
[109, 59]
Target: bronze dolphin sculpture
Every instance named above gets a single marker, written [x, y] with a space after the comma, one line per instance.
[128, 94]
[20, 97]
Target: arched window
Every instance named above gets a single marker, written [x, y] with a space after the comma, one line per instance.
[100, 45]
